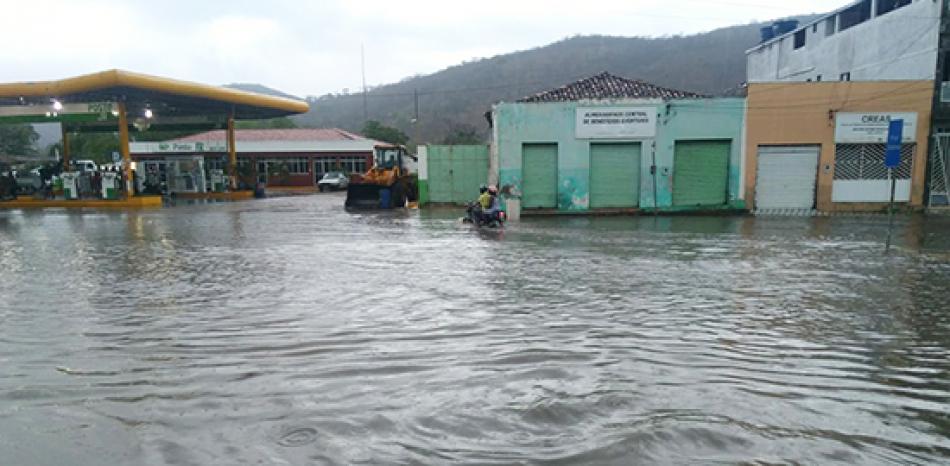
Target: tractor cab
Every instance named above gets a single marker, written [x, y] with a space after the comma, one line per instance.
[388, 157]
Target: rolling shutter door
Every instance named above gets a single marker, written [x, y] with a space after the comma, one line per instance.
[786, 177]
[540, 176]
[614, 175]
[701, 173]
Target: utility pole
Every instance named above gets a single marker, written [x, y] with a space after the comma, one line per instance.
[415, 94]
[363, 71]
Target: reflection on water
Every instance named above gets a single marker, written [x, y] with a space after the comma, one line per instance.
[288, 331]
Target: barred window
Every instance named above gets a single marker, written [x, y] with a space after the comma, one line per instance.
[866, 162]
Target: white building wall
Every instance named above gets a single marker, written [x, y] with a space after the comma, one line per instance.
[899, 45]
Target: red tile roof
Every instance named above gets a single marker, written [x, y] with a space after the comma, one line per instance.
[296, 134]
[607, 86]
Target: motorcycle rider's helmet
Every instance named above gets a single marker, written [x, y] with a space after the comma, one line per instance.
[482, 189]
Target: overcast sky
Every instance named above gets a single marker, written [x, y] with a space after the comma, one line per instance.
[312, 47]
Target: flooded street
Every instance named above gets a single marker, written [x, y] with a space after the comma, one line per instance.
[287, 331]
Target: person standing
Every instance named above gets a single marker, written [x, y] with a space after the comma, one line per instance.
[96, 184]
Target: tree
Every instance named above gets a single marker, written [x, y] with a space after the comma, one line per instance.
[273, 123]
[462, 133]
[376, 130]
[19, 139]
[97, 147]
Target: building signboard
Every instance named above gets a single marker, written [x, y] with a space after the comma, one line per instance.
[872, 128]
[70, 112]
[615, 122]
[182, 147]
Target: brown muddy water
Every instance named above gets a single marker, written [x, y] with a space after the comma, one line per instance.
[287, 331]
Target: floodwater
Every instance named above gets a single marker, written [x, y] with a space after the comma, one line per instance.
[287, 331]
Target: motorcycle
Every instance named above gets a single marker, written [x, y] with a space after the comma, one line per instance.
[475, 216]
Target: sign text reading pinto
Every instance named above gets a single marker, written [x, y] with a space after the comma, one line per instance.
[616, 122]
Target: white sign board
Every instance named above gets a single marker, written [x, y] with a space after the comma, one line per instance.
[616, 122]
[862, 128]
[180, 147]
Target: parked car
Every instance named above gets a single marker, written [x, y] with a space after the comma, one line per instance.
[333, 181]
[28, 182]
[84, 165]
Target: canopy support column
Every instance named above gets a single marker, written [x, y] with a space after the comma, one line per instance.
[232, 153]
[124, 149]
[66, 160]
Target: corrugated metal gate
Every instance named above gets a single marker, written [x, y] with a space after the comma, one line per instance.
[701, 173]
[456, 172]
[787, 178]
[539, 167]
[614, 175]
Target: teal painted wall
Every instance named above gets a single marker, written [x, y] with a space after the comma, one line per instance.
[695, 119]
[519, 124]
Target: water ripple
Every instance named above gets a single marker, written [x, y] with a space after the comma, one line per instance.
[287, 331]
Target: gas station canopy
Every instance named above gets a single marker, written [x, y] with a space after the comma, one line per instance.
[121, 101]
[90, 101]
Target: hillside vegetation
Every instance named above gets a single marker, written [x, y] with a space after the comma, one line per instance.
[455, 100]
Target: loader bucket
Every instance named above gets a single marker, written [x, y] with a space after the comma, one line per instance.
[365, 196]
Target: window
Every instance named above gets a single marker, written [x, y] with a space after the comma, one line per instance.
[831, 25]
[216, 163]
[322, 165]
[814, 28]
[887, 6]
[800, 38]
[296, 166]
[352, 164]
[846, 76]
[866, 162]
[855, 15]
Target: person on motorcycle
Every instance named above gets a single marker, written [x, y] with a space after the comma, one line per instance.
[484, 198]
[494, 206]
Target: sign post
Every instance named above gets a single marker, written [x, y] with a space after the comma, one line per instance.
[892, 160]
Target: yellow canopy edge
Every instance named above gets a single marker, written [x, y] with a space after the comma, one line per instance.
[105, 80]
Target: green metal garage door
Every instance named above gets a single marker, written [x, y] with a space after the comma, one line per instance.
[440, 176]
[701, 173]
[539, 167]
[614, 175]
[455, 172]
[469, 171]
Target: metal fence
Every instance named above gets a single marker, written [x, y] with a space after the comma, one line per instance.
[867, 162]
[940, 171]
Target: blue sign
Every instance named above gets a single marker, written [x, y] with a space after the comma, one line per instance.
[895, 136]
